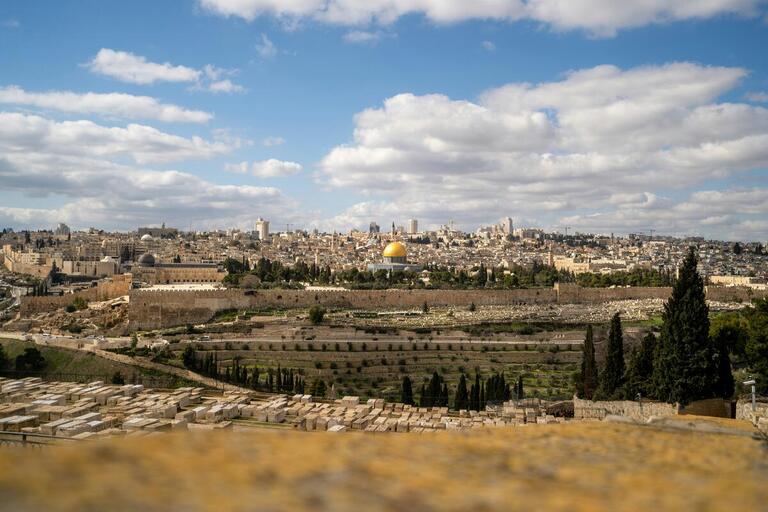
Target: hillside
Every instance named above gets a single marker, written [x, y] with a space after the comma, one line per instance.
[586, 466]
[70, 364]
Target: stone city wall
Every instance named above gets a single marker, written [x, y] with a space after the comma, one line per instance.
[116, 287]
[568, 293]
[155, 309]
[158, 309]
[734, 293]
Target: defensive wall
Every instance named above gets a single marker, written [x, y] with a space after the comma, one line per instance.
[158, 309]
[115, 287]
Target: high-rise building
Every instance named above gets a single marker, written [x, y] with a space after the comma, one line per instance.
[413, 226]
[373, 228]
[262, 228]
[506, 226]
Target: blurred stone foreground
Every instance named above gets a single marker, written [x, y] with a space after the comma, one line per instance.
[678, 464]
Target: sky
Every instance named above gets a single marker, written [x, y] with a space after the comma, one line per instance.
[602, 116]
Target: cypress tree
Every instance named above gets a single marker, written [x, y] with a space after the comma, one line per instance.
[640, 369]
[588, 376]
[407, 391]
[422, 396]
[482, 397]
[462, 397]
[612, 377]
[519, 388]
[683, 368]
[255, 378]
[474, 397]
[723, 385]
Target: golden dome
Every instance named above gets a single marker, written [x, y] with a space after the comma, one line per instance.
[394, 250]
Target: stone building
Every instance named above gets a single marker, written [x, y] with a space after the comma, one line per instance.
[395, 258]
[148, 271]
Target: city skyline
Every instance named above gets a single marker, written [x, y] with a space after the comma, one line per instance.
[332, 115]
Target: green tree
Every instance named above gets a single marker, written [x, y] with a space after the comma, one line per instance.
[406, 395]
[757, 344]
[640, 368]
[733, 327]
[189, 358]
[683, 367]
[117, 378]
[587, 383]
[519, 388]
[612, 376]
[318, 388]
[3, 358]
[316, 314]
[724, 385]
[461, 401]
[31, 359]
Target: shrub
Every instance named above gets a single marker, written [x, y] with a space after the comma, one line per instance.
[316, 314]
[80, 303]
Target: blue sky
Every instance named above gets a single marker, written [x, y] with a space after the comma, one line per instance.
[333, 113]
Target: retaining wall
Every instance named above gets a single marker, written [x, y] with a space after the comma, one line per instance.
[641, 411]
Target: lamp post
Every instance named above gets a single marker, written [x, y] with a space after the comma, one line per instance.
[751, 382]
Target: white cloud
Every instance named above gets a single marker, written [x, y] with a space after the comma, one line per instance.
[761, 97]
[225, 86]
[605, 17]
[126, 106]
[84, 166]
[489, 45]
[266, 48]
[601, 141]
[127, 67]
[363, 37]
[10, 24]
[732, 214]
[271, 168]
[143, 144]
[597, 17]
[273, 141]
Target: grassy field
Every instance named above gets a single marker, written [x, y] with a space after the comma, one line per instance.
[70, 365]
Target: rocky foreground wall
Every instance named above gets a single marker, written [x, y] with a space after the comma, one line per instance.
[158, 309]
[642, 410]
